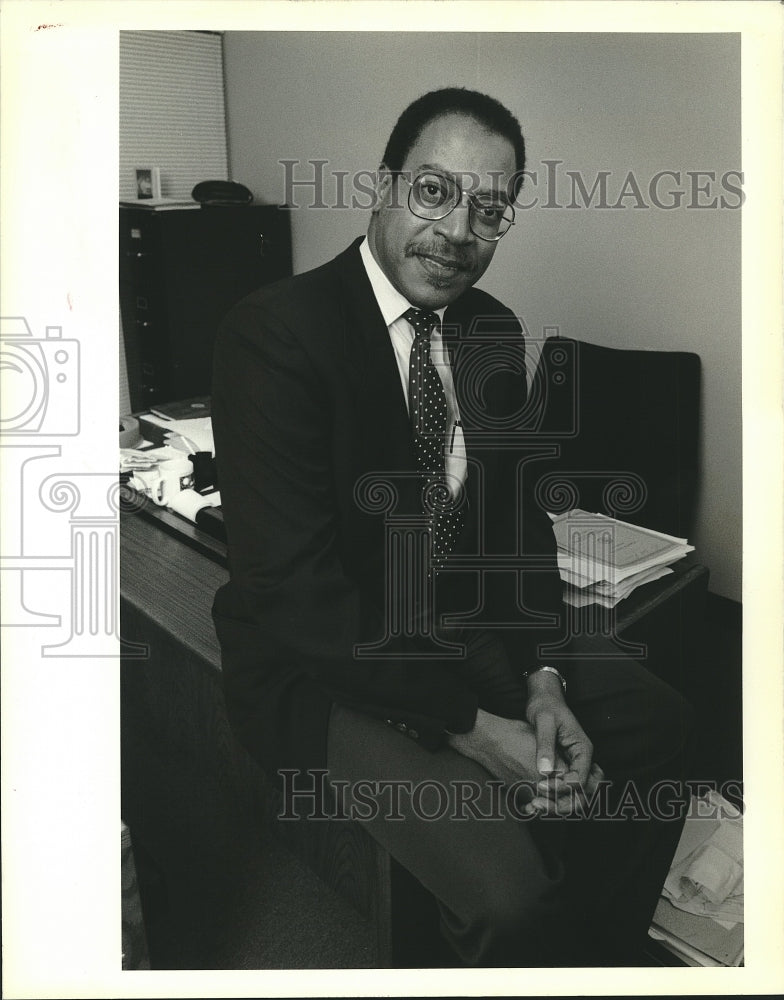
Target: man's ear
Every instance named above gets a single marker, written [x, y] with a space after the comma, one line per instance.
[384, 179]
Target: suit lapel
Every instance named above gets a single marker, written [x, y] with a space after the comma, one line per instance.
[455, 333]
[372, 369]
[463, 342]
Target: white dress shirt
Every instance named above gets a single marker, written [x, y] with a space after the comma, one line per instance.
[393, 305]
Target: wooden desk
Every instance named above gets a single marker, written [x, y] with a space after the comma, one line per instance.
[192, 799]
[186, 567]
[171, 584]
[199, 808]
[184, 771]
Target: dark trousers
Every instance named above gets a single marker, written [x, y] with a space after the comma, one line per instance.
[514, 891]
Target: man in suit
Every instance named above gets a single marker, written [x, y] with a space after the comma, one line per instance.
[392, 613]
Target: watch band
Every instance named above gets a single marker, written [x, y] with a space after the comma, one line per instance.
[549, 670]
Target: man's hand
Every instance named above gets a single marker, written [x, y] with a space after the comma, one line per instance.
[507, 748]
[559, 738]
[504, 747]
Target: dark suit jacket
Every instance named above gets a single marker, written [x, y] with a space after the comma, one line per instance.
[306, 404]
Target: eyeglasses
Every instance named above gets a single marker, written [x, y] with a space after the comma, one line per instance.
[433, 196]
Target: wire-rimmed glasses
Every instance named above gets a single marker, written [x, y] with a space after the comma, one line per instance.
[433, 196]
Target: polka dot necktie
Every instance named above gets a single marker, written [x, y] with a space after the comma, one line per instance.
[428, 411]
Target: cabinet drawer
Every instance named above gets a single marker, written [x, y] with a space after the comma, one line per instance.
[139, 233]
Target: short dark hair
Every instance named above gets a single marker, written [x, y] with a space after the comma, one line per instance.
[486, 110]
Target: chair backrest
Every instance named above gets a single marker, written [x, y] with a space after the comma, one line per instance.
[626, 423]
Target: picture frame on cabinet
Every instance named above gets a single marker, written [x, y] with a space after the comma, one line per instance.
[148, 182]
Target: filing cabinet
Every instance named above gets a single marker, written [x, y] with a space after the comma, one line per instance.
[181, 270]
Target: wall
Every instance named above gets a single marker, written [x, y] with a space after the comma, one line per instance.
[642, 277]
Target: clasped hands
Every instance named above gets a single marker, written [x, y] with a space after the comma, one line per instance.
[550, 753]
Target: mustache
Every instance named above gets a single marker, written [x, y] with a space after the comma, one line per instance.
[442, 252]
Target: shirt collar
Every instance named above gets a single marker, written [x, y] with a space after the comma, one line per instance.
[390, 301]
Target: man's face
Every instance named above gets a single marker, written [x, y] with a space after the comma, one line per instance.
[432, 262]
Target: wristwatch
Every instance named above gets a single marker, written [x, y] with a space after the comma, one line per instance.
[549, 670]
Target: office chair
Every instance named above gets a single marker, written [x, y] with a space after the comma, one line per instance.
[626, 425]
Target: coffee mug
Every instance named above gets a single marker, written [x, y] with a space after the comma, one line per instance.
[163, 483]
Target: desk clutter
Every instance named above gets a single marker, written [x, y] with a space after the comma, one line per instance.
[699, 916]
[161, 492]
[601, 560]
[172, 461]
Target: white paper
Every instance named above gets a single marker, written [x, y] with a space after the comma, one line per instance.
[198, 430]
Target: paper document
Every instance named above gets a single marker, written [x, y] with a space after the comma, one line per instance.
[700, 913]
[602, 548]
[701, 933]
[606, 595]
[198, 430]
[602, 560]
[706, 876]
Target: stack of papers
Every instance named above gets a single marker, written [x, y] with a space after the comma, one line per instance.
[700, 914]
[191, 435]
[602, 560]
[698, 941]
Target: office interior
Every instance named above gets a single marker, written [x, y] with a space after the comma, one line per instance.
[631, 240]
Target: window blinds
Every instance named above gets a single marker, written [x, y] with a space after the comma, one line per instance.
[172, 112]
